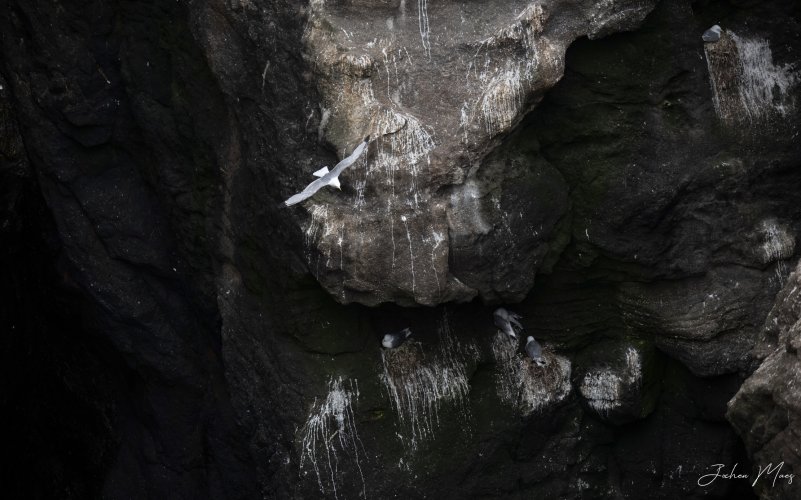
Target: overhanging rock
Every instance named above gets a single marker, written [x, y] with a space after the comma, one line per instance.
[438, 210]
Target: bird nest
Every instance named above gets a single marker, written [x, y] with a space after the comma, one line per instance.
[403, 360]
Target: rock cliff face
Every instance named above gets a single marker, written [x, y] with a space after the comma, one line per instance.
[439, 87]
[765, 411]
[631, 190]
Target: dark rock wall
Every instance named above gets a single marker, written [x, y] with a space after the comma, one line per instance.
[167, 336]
[107, 99]
[765, 410]
[60, 383]
[673, 210]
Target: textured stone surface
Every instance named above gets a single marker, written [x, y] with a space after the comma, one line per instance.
[618, 382]
[694, 260]
[709, 322]
[105, 110]
[430, 217]
[228, 340]
[766, 411]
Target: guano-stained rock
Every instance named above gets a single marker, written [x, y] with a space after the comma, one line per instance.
[617, 382]
[162, 135]
[439, 86]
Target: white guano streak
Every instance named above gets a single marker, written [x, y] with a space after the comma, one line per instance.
[604, 388]
[422, 21]
[747, 87]
[332, 418]
[418, 384]
[411, 251]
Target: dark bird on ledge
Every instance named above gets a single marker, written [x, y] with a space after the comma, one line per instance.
[534, 351]
[507, 322]
[393, 340]
[712, 34]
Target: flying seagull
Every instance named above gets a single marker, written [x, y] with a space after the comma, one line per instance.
[393, 340]
[507, 322]
[534, 351]
[328, 178]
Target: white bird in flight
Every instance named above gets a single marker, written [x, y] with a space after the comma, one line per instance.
[328, 178]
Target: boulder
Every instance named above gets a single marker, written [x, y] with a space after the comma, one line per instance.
[766, 411]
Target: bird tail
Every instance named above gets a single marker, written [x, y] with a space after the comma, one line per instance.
[407, 332]
[321, 172]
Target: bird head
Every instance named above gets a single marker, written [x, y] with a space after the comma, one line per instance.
[529, 339]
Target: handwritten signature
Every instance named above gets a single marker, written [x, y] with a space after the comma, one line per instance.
[766, 473]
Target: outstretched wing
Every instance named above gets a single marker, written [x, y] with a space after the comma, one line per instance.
[349, 160]
[312, 188]
[321, 172]
[327, 178]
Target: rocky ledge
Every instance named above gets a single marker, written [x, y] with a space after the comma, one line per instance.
[766, 411]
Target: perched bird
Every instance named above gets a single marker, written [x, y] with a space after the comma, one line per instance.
[326, 177]
[712, 34]
[393, 340]
[507, 322]
[534, 351]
